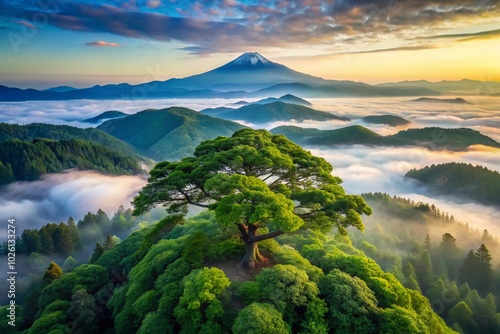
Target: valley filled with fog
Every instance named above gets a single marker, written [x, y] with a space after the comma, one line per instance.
[362, 168]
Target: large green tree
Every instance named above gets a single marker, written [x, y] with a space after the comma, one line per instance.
[255, 179]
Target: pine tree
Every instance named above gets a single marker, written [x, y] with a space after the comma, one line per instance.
[427, 242]
[484, 270]
[98, 251]
[424, 271]
[109, 243]
[74, 234]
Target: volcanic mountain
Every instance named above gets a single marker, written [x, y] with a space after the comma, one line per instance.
[250, 71]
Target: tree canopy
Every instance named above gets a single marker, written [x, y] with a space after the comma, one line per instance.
[255, 179]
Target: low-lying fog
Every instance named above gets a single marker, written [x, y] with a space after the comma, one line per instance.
[57, 196]
[363, 169]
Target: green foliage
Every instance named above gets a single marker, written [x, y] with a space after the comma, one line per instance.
[195, 248]
[4, 324]
[386, 287]
[259, 318]
[199, 309]
[246, 198]
[291, 292]
[82, 312]
[352, 306]
[87, 276]
[252, 180]
[394, 319]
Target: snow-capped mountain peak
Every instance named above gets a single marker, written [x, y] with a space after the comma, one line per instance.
[250, 58]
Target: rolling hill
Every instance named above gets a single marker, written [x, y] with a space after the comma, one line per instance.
[431, 138]
[168, 134]
[463, 181]
[105, 116]
[271, 112]
[457, 100]
[288, 98]
[439, 138]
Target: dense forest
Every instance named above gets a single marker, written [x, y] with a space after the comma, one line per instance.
[181, 277]
[72, 243]
[463, 181]
[453, 265]
[27, 161]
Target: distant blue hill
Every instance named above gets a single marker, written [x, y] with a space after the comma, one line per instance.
[271, 112]
[60, 89]
[110, 114]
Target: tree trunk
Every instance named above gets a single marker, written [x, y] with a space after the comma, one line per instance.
[251, 247]
[250, 237]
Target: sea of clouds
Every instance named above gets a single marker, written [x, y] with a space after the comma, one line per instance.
[363, 169]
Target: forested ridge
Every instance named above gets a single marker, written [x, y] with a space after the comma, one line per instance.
[29, 160]
[432, 138]
[461, 180]
[32, 131]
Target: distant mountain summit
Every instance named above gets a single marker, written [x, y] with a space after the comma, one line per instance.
[250, 71]
[254, 59]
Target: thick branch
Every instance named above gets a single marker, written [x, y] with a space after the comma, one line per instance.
[199, 204]
[304, 215]
[271, 235]
[244, 231]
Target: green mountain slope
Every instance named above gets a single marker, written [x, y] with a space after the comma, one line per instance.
[62, 132]
[355, 134]
[432, 138]
[171, 133]
[27, 161]
[461, 180]
[272, 112]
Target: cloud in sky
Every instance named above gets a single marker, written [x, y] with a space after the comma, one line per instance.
[489, 34]
[102, 43]
[219, 26]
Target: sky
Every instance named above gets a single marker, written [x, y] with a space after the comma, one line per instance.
[81, 43]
